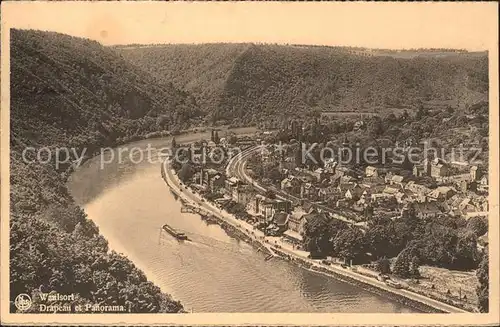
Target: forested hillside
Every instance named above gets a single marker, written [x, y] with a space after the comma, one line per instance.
[268, 80]
[72, 92]
[200, 69]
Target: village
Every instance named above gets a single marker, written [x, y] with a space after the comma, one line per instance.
[338, 191]
[375, 218]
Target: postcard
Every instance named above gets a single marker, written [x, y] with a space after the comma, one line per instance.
[249, 163]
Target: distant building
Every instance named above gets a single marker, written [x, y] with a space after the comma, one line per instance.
[419, 171]
[391, 190]
[279, 221]
[320, 174]
[426, 210]
[232, 182]
[371, 171]
[441, 193]
[482, 185]
[268, 207]
[242, 194]
[212, 179]
[438, 168]
[417, 188]
[473, 173]
[291, 185]
[396, 180]
[296, 221]
[330, 165]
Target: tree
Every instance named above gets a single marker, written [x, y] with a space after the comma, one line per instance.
[375, 127]
[317, 235]
[402, 265]
[483, 288]
[414, 264]
[216, 137]
[232, 139]
[270, 194]
[478, 225]
[273, 174]
[186, 172]
[298, 156]
[466, 253]
[378, 242]
[349, 244]
[384, 265]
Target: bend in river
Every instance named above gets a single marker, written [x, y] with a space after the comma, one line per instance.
[213, 272]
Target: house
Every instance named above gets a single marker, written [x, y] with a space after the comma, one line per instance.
[291, 185]
[279, 221]
[217, 182]
[380, 197]
[404, 196]
[473, 173]
[344, 171]
[329, 192]
[482, 184]
[307, 207]
[426, 210]
[242, 194]
[231, 182]
[206, 174]
[441, 193]
[439, 168]
[296, 221]
[320, 174]
[309, 191]
[417, 188]
[419, 171]
[304, 176]
[369, 181]
[391, 190]
[293, 237]
[266, 208]
[330, 164]
[211, 179]
[343, 187]
[371, 171]
[396, 180]
[354, 192]
[463, 204]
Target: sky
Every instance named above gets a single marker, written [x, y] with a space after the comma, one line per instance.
[374, 25]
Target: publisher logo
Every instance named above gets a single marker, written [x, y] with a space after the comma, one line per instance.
[23, 302]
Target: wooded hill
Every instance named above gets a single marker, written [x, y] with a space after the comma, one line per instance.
[252, 83]
[72, 92]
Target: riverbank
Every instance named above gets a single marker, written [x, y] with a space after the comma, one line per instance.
[244, 130]
[232, 228]
[414, 300]
[237, 168]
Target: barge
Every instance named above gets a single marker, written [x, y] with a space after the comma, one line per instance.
[175, 233]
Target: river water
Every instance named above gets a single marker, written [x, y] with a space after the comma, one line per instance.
[129, 202]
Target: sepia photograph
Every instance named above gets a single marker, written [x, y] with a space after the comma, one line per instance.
[249, 163]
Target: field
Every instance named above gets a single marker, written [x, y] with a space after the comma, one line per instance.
[461, 283]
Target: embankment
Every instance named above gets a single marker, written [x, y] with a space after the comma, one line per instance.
[233, 231]
[353, 281]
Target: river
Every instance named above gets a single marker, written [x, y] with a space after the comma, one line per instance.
[129, 202]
